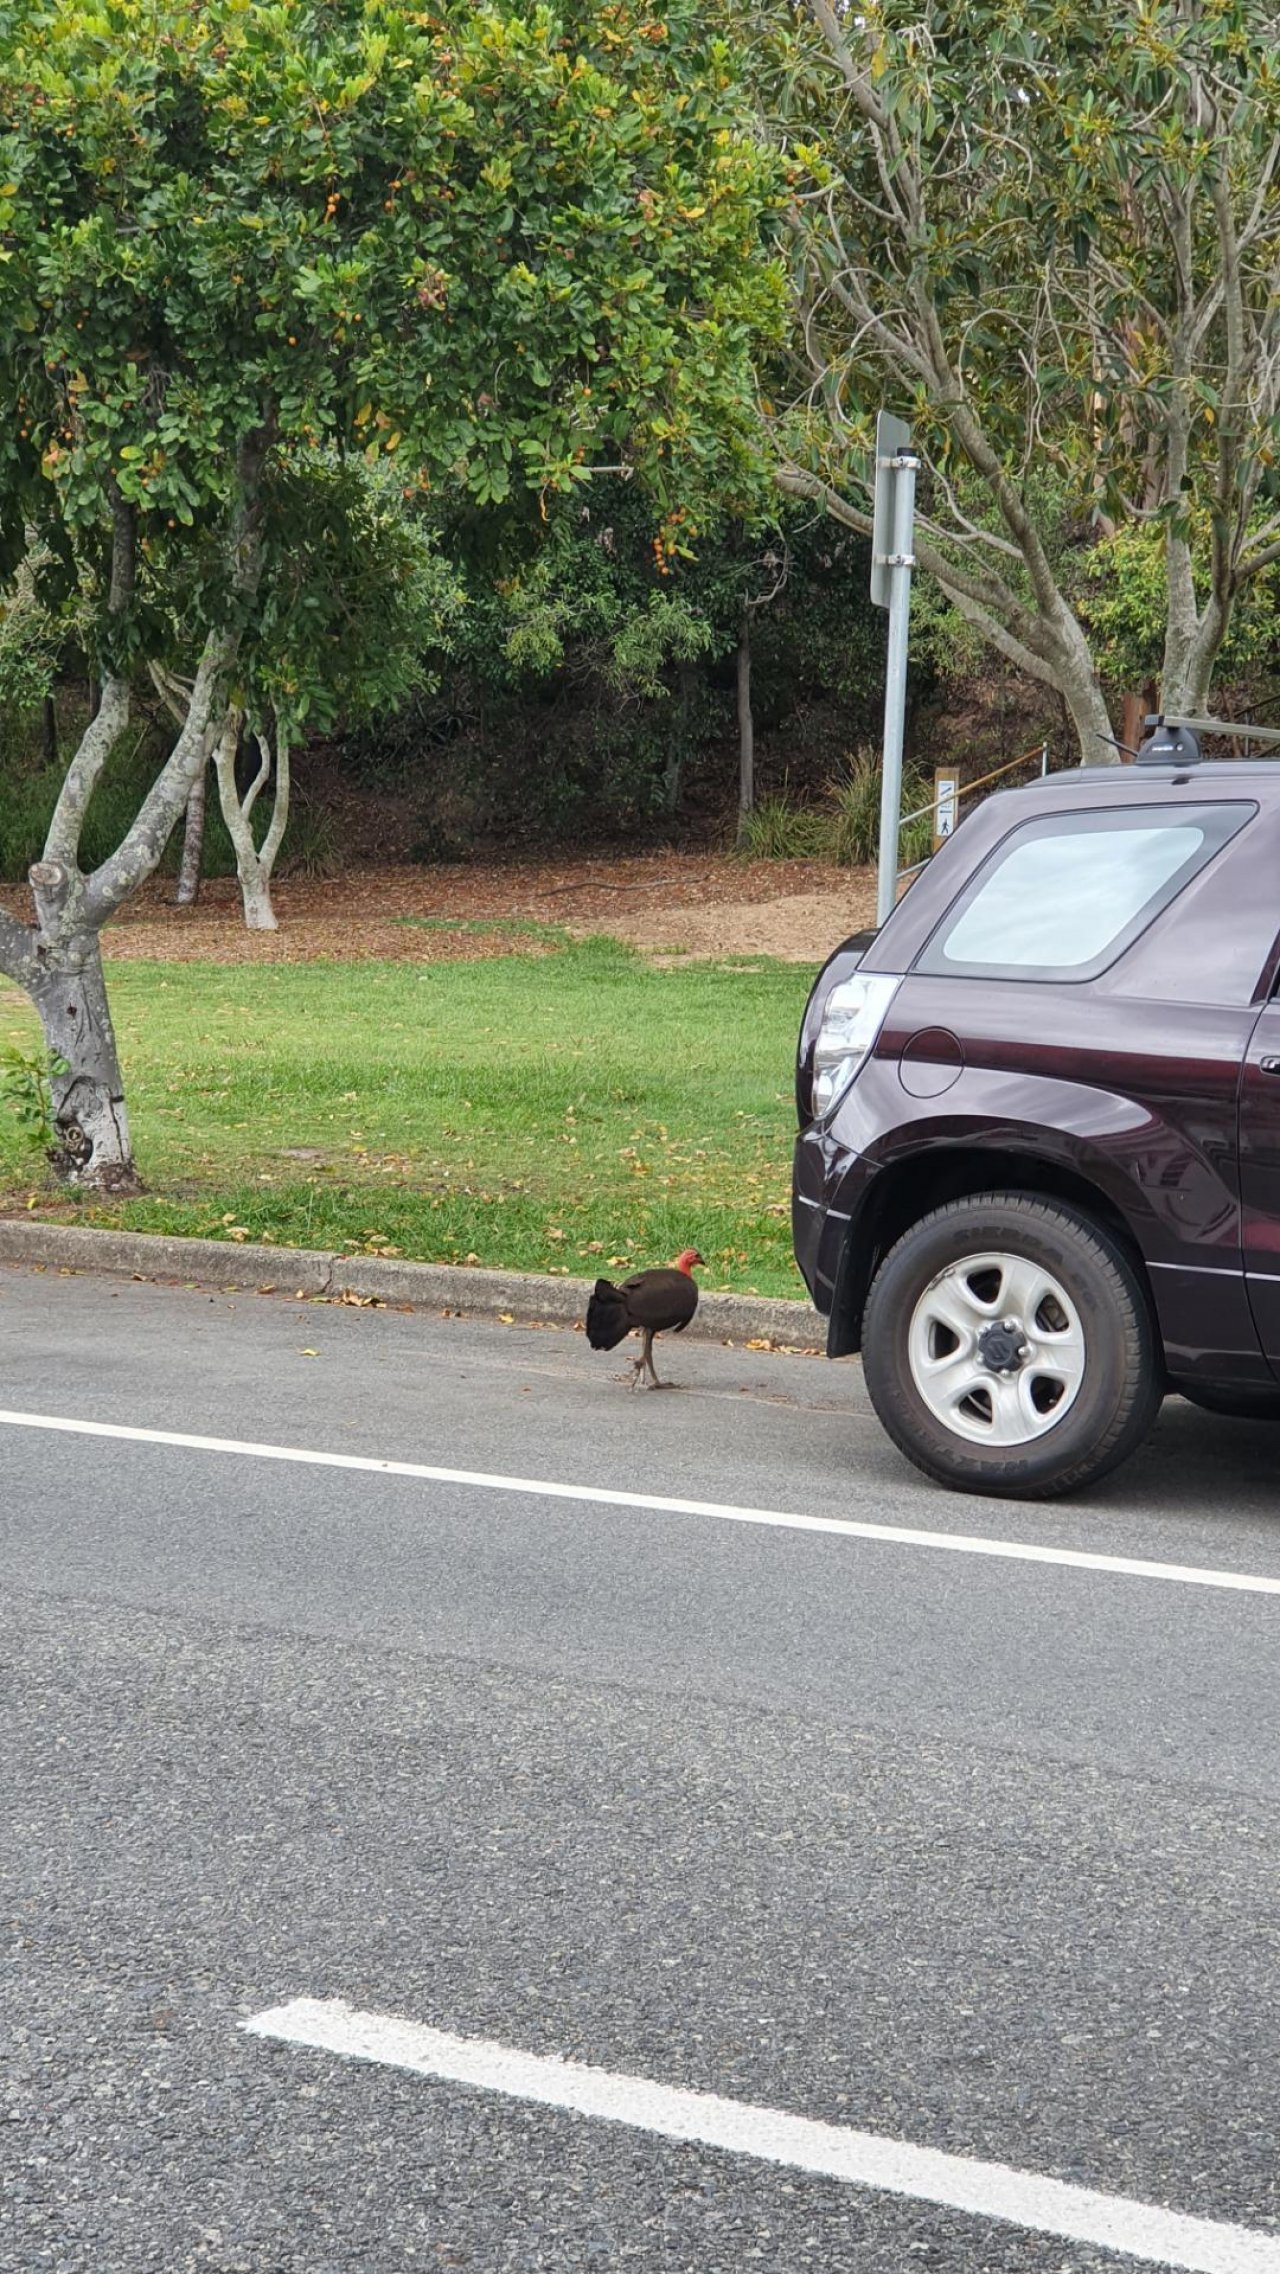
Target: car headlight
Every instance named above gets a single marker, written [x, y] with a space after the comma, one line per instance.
[852, 1018]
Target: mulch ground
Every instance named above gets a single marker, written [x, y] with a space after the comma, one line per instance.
[686, 903]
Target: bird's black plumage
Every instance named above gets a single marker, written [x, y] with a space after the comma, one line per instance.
[663, 1301]
[650, 1302]
[607, 1321]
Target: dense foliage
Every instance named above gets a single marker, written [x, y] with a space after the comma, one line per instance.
[588, 686]
[502, 241]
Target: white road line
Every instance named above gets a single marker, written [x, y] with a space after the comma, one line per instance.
[540, 1488]
[862, 2159]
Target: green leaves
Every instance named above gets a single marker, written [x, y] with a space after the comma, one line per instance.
[243, 217]
[26, 1090]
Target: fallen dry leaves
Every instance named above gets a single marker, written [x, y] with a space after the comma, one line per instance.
[698, 903]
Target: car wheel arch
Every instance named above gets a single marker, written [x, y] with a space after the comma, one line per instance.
[912, 1186]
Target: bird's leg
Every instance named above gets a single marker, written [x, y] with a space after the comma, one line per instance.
[644, 1363]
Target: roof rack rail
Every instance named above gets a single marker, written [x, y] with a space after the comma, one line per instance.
[1171, 741]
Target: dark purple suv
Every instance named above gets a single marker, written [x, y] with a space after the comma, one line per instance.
[1037, 1181]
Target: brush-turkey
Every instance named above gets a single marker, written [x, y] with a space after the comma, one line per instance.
[649, 1303]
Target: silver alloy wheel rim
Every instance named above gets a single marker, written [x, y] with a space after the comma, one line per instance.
[955, 1379]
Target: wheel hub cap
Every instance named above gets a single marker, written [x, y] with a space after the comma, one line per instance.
[996, 1349]
[1002, 1348]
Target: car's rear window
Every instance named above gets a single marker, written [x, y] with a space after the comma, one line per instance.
[1061, 898]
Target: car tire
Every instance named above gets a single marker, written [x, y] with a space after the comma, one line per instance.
[1241, 1405]
[985, 1399]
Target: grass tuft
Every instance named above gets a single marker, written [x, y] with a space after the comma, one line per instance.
[845, 828]
[778, 830]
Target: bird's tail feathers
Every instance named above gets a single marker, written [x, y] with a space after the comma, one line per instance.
[607, 1320]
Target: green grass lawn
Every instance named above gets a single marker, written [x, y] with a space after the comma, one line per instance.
[548, 1112]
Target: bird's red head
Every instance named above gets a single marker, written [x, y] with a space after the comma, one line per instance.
[686, 1260]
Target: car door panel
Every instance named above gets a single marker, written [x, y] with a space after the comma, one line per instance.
[1260, 1178]
[1136, 1098]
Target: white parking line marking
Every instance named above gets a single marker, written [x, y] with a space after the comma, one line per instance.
[593, 1495]
[862, 2159]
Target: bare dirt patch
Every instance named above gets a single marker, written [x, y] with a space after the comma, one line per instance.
[689, 904]
[797, 927]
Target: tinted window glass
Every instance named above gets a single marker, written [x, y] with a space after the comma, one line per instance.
[1061, 898]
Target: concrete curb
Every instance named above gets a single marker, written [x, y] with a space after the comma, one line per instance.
[528, 1297]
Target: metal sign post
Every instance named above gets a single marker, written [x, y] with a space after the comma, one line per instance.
[893, 528]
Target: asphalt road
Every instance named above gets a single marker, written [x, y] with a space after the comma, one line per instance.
[973, 1853]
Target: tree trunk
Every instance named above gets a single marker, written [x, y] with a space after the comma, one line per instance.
[49, 730]
[677, 749]
[1082, 694]
[1139, 703]
[191, 866]
[1189, 663]
[58, 959]
[91, 1146]
[746, 732]
[255, 898]
[253, 867]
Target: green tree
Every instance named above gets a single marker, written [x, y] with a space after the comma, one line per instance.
[1050, 236]
[507, 244]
